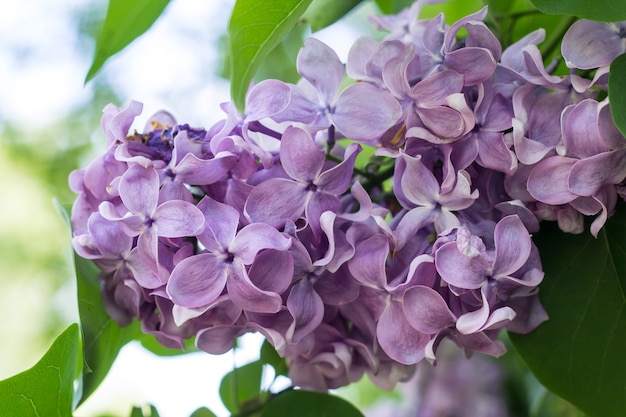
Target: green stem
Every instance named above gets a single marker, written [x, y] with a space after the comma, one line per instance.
[554, 39]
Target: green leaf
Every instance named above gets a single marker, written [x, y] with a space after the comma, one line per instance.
[125, 21]
[46, 389]
[139, 412]
[241, 386]
[103, 338]
[322, 13]
[255, 28]
[270, 357]
[579, 352]
[309, 404]
[203, 412]
[280, 62]
[393, 6]
[602, 10]
[617, 92]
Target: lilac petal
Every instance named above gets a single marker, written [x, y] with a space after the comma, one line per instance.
[364, 112]
[336, 180]
[116, 122]
[248, 296]
[255, 237]
[358, 56]
[418, 183]
[412, 222]
[267, 98]
[384, 53]
[475, 64]
[320, 202]
[444, 122]
[588, 175]
[108, 236]
[275, 201]
[480, 342]
[368, 264]
[450, 36]
[178, 219]
[197, 280]
[159, 119]
[426, 310]
[272, 270]
[460, 270]
[474, 321]
[434, 89]
[196, 171]
[398, 338]
[588, 44]
[144, 273]
[148, 248]
[480, 320]
[608, 131]
[479, 35]
[221, 223]
[513, 246]
[337, 289]
[494, 153]
[300, 156]
[320, 65]
[307, 309]
[580, 129]
[513, 57]
[219, 339]
[530, 314]
[548, 181]
[529, 152]
[139, 189]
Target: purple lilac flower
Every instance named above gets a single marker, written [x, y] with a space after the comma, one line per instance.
[264, 223]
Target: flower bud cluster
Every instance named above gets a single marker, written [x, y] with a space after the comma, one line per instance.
[268, 222]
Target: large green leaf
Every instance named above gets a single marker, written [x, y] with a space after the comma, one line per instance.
[242, 386]
[579, 352]
[125, 21]
[322, 13]
[392, 6]
[309, 404]
[617, 92]
[46, 389]
[603, 10]
[255, 28]
[103, 338]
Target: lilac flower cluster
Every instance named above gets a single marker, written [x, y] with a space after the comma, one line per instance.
[268, 222]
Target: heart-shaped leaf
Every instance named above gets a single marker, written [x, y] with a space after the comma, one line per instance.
[617, 92]
[579, 352]
[46, 389]
[309, 404]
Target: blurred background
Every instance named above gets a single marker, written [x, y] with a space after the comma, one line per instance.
[50, 125]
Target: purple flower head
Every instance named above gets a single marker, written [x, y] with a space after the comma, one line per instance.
[200, 279]
[141, 214]
[419, 191]
[361, 111]
[310, 189]
[594, 151]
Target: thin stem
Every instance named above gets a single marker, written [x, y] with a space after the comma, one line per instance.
[556, 36]
[256, 126]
